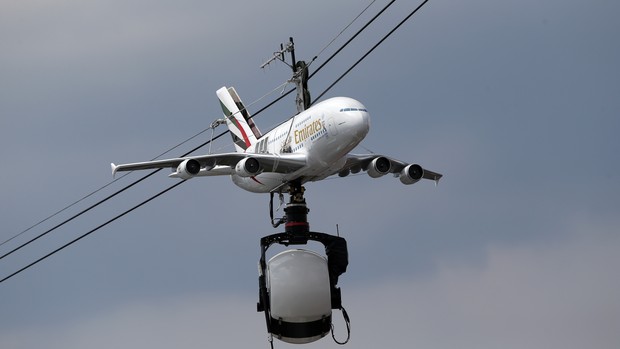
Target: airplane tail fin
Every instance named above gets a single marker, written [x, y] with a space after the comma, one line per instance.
[242, 128]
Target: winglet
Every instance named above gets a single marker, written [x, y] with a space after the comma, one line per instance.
[437, 178]
[434, 176]
[114, 167]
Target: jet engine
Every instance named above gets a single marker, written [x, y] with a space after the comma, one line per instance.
[379, 166]
[188, 168]
[248, 167]
[411, 174]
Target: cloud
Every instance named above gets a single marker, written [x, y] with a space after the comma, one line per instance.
[188, 322]
[559, 295]
[487, 259]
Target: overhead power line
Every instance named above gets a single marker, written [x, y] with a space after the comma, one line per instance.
[347, 27]
[60, 211]
[330, 57]
[191, 151]
[372, 49]
[102, 201]
[185, 141]
[95, 229]
[112, 182]
[76, 215]
[352, 38]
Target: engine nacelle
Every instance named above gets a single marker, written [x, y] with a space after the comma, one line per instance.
[248, 167]
[411, 174]
[188, 169]
[379, 166]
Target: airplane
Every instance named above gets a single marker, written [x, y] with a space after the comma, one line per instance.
[308, 147]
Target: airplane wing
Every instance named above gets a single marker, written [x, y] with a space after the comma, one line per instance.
[372, 163]
[222, 164]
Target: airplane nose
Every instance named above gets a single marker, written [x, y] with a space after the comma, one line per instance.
[362, 124]
[353, 118]
[366, 120]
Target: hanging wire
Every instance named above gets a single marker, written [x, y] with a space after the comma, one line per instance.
[196, 148]
[94, 229]
[352, 38]
[345, 28]
[347, 322]
[370, 51]
[211, 127]
[95, 192]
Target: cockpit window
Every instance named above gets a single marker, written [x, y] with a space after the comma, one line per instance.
[352, 109]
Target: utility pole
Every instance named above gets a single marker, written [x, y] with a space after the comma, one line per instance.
[300, 74]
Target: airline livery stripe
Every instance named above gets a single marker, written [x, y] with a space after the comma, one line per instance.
[243, 134]
[256, 180]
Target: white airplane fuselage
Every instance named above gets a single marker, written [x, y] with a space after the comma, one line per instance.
[311, 146]
[325, 133]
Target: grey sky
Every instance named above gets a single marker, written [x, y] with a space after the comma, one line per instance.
[516, 103]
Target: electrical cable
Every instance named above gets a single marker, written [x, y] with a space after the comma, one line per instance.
[117, 192]
[331, 57]
[196, 148]
[89, 195]
[94, 229]
[101, 201]
[76, 215]
[61, 211]
[352, 38]
[346, 27]
[110, 183]
[369, 51]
